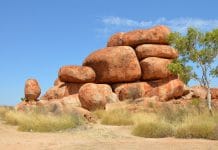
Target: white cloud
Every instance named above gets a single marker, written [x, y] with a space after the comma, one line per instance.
[125, 22]
[115, 24]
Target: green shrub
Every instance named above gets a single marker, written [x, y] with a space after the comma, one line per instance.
[117, 117]
[23, 99]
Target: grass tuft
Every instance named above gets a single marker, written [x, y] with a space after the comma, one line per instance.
[153, 129]
[172, 114]
[168, 121]
[201, 126]
[38, 122]
[116, 117]
[150, 126]
[4, 110]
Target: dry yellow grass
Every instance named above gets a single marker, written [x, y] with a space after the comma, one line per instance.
[40, 122]
[115, 117]
[185, 122]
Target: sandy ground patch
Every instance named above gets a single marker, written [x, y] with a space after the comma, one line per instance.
[94, 137]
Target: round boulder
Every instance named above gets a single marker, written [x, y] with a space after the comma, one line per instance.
[155, 35]
[62, 90]
[32, 89]
[167, 89]
[93, 96]
[76, 74]
[155, 50]
[131, 90]
[114, 64]
[154, 68]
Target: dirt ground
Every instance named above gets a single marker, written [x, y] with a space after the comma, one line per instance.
[94, 137]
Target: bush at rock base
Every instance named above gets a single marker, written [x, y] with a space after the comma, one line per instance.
[200, 126]
[155, 129]
[117, 117]
[181, 122]
[40, 122]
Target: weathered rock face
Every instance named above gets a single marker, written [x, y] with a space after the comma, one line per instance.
[199, 92]
[32, 89]
[71, 100]
[93, 96]
[57, 82]
[167, 89]
[155, 50]
[114, 65]
[116, 39]
[154, 68]
[25, 106]
[56, 106]
[76, 74]
[132, 90]
[155, 35]
[61, 91]
[214, 93]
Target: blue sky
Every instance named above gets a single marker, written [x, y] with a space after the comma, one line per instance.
[37, 37]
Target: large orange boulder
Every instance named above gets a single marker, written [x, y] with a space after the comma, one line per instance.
[62, 90]
[155, 50]
[32, 89]
[93, 96]
[114, 64]
[154, 68]
[167, 89]
[132, 90]
[76, 74]
[155, 35]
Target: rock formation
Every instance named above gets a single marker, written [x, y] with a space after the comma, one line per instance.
[32, 90]
[114, 65]
[95, 96]
[155, 35]
[76, 74]
[214, 93]
[156, 50]
[134, 64]
[131, 90]
[154, 68]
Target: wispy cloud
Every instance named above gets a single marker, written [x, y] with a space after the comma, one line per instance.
[113, 24]
[125, 22]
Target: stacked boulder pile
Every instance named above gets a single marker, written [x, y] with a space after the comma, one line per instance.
[133, 65]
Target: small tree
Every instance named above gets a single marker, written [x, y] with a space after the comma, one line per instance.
[197, 50]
